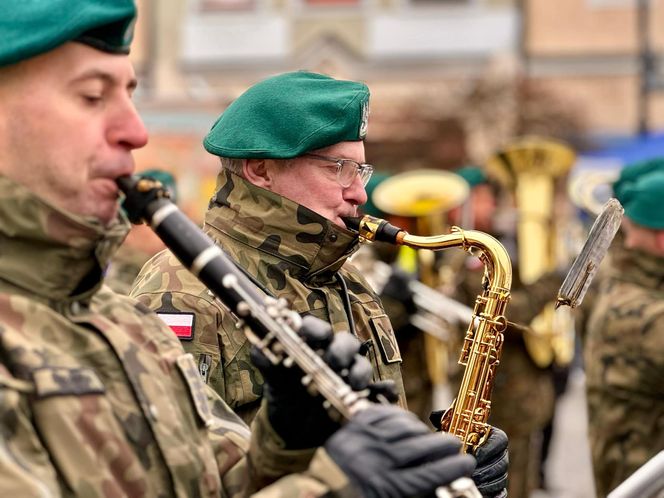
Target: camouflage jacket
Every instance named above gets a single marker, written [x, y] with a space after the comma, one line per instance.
[289, 251]
[624, 357]
[97, 397]
[123, 269]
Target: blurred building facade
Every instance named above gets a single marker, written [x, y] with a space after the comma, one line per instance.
[451, 80]
[593, 51]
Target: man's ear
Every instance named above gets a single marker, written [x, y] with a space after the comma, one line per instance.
[256, 171]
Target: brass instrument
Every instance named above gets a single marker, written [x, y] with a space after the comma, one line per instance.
[425, 195]
[590, 189]
[529, 167]
[480, 355]
[646, 482]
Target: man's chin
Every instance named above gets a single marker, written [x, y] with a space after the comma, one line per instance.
[339, 222]
[107, 214]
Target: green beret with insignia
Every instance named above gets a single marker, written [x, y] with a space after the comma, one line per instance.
[474, 175]
[640, 189]
[33, 27]
[287, 115]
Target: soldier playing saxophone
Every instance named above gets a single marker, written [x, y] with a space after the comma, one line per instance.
[293, 164]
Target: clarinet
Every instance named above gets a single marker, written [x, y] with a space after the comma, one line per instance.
[270, 325]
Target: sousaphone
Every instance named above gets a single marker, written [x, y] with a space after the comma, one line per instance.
[530, 167]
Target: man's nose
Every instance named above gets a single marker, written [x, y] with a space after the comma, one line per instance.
[355, 193]
[127, 129]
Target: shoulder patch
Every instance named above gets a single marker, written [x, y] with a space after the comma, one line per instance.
[180, 323]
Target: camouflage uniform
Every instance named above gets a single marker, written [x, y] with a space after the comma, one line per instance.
[292, 253]
[124, 267]
[97, 397]
[624, 357]
[523, 394]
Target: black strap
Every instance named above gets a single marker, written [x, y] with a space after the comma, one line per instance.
[346, 300]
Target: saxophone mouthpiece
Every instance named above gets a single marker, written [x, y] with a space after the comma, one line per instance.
[371, 228]
[352, 222]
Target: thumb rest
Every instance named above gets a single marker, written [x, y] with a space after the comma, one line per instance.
[468, 416]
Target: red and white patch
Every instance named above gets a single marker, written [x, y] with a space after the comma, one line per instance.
[181, 323]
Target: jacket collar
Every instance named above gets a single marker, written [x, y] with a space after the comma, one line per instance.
[309, 244]
[639, 267]
[49, 253]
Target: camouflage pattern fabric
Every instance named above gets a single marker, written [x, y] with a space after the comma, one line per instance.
[523, 394]
[292, 253]
[624, 358]
[97, 397]
[124, 268]
[398, 302]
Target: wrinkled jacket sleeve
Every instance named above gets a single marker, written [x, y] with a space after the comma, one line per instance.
[262, 468]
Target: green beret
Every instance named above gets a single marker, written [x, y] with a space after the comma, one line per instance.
[290, 114]
[33, 27]
[474, 175]
[165, 178]
[640, 189]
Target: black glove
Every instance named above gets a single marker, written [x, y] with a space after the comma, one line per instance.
[294, 413]
[490, 476]
[387, 452]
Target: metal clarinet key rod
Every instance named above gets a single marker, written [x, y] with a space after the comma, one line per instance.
[646, 482]
[270, 325]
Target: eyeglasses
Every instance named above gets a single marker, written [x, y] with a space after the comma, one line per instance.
[347, 169]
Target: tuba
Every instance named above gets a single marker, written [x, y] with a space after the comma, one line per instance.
[425, 195]
[468, 416]
[529, 167]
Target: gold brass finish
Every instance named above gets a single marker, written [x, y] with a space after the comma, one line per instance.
[529, 167]
[420, 192]
[480, 355]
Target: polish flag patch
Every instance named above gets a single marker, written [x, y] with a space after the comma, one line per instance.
[180, 323]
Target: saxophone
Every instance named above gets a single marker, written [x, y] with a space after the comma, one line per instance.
[480, 354]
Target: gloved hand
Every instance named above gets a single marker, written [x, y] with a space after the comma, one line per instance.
[387, 452]
[295, 414]
[490, 476]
